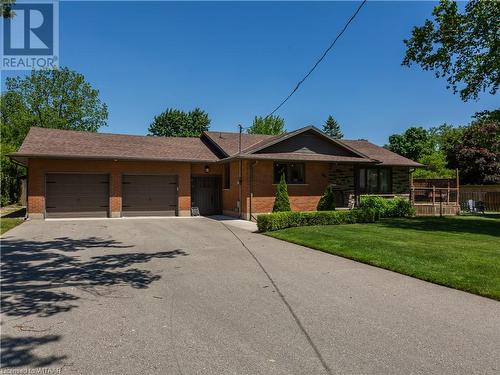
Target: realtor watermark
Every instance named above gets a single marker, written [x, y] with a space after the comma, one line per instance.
[30, 36]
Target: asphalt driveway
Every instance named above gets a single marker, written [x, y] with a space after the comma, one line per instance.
[197, 296]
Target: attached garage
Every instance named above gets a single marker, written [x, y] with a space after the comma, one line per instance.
[149, 195]
[76, 195]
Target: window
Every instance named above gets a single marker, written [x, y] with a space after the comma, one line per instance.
[294, 173]
[374, 181]
[227, 177]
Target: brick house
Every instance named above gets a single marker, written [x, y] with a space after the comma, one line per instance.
[80, 174]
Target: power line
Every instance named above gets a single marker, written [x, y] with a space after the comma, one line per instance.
[320, 59]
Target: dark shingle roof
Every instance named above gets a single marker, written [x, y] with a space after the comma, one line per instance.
[381, 154]
[53, 143]
[229, 142]
[41, 142]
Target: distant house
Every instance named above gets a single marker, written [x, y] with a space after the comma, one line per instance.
[80, 174]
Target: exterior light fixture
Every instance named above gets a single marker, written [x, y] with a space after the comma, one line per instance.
[207, 169]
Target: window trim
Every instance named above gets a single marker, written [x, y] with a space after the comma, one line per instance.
[288, 163]
[378, 190]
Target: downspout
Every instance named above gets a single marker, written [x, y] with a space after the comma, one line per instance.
[240, 191]
[251, 189]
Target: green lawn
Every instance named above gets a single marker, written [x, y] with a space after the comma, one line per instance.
[461, 252]
[7, 223]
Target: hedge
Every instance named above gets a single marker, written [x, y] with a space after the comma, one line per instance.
[395, 207]
[281, 220]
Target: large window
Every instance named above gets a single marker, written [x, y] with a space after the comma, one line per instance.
[227, 176]
[374, 180]
[294, 172]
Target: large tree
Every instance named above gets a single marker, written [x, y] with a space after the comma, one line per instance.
[273, 125]
[464, 46]
[58, 98]
[332, 128]
[412, 144]
[7, 11]
[177, 123]
[46, 98]
[478, 153]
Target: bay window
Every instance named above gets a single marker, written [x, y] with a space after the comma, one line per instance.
[374, 180]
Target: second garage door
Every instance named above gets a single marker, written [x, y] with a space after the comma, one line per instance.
[149, 195]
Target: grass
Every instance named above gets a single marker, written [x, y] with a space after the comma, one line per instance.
[11, 216]
[7, 223]
[461, 252]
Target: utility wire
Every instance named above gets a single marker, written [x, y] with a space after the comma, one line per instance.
[320, 59]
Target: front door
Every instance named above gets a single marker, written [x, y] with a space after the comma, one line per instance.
[206, 194]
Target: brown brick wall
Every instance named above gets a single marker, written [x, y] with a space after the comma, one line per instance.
[302, 197]
[230, 196]
[37, 168]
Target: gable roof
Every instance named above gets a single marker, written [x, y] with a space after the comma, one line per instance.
[229, 142]
[54, 143]
[383, 155]
[210, 147]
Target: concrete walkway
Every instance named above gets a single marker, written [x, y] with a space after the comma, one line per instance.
[200, 296]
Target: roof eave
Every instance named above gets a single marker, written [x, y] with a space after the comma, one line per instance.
[256, 157]
[25, 157]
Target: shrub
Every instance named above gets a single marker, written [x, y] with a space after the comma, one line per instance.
[396, 207]
[327, 200]
[281, 220]
[281, 201]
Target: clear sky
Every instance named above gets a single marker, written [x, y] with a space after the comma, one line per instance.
[236, 60]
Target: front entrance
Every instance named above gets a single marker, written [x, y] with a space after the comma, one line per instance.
[206, 194]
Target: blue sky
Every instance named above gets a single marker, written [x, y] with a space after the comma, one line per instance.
[237, 60]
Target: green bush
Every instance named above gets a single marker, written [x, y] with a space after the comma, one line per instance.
[281, 220]
[281, 201]
[395, 207]
[10, 174]
[327, 200]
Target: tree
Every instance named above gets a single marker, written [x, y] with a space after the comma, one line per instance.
[327, 200]
[58, 98]
[281, 201]
[273, 125]
[478, 154]
[463, 47]
[436, 166]
[412, 144]
[9, 175]
[177, 123]
[7, 8]
[332, 128]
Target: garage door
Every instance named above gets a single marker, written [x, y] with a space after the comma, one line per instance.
[76, 195]
[149, 195]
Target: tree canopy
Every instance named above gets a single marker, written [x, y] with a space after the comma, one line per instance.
[7, 8]
[57, 98]
[473, 149]
[478, 153]
[463, 47]
[412, 144]
[177, 123]
[332, 128]
[273, 125]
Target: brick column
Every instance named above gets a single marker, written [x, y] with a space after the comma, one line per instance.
[115, 194]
